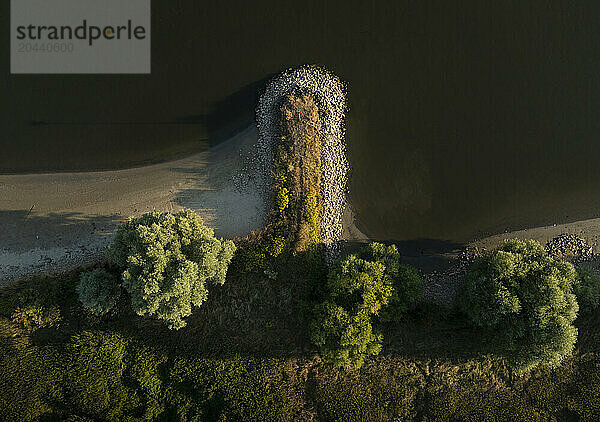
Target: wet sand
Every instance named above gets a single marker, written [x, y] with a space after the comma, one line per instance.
[74, 214]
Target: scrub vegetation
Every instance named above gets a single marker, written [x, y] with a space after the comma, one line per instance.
[299, 162]
[294, 222]
[245, 354]
[99, 290]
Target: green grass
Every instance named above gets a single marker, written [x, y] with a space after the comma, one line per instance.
[384, 389]
[246, 355]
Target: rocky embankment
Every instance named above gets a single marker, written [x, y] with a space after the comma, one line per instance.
[328, 92]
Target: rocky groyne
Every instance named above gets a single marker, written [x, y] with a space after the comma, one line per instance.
[328, 92]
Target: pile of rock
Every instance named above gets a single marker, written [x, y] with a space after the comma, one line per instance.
[441, 286]
[569, 247]
[328, 92]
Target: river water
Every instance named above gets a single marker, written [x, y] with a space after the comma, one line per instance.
[464, 119]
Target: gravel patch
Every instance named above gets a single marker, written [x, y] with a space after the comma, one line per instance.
[569, 247]
[441, 286]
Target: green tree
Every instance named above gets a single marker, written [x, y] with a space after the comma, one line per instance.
[341, 328]
[344, 339]
[587, 289]
[406, 281]
[98, 290]
[168, 258]
[525, 298]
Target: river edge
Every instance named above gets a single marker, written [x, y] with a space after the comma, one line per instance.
[74, 215]
[59, 221]
[87, 250]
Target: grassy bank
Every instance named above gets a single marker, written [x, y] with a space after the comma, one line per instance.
[245, 355]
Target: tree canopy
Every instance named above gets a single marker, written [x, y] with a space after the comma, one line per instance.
[167, 260]
[525, 298]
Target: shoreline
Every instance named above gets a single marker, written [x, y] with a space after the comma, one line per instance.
[30, 261]
[180, 156]
[75, 214]
[61, 221]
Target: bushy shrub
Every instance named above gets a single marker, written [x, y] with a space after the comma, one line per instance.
[341, 327]
[406, 281]
[587, 289]
[345, 340]
[93, 375]
[474, 392]
[525, 298]
[381, 391]
[584, 389]
[297, 173]
[107, 378]
[38, 301]
[282, 199]
[275, 246]
[32, 317]
[27, 375]
[258, 254]
[98, 290]
[168, 258]
[359, 286]
[143, 369]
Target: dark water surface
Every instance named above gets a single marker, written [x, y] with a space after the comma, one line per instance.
[464, 119]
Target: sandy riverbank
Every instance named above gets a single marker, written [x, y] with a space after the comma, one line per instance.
[75, 214]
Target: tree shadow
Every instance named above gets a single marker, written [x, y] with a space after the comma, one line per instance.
[25, 229]
[439, 335]
[425, 254]
[588, 339]
[250, 315]
[33, 244]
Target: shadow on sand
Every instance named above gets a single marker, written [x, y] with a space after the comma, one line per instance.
[25, 230]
